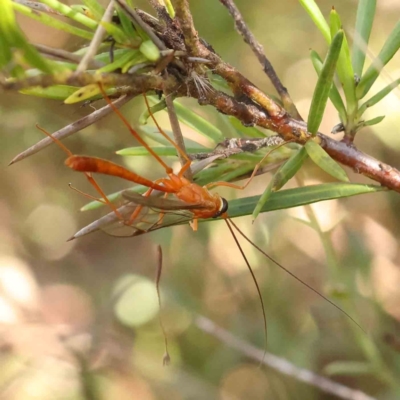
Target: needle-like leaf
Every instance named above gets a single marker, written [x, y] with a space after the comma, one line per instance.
[365, 18]
[324, 84]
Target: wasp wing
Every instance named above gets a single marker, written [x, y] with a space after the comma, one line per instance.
[160, 203]
[155, 213]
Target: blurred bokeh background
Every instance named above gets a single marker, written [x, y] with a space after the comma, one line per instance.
[66, 334]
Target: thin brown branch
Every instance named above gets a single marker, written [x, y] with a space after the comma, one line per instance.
[97, 39]
[230, 147]
[177, 132]
[185, 19]
[241, 85]
[127, 83]
[65, 55]
[278, 363]
[258, 50]
[293, 130]
[162, 12]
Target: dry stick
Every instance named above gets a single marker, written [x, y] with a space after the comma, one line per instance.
[234, 146]
[279, 364]
[291, 129]
[258, 50]
[239, 84]
[66, 55]
[177, 132]
[190, 34]
[97, 39]
[72, 128]
[125, 83]
[161, 11]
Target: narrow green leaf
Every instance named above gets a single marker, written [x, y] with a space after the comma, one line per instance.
[389, 49]
[334, 22]
[237, 172]
[161, 151]
[120, 61]
[300, 197]
[248, 131]
[281, 177]
[87, 92]
[289, 169]
[372, 121]
[70, 13]
[344, 66]
[316, 15]
[105, 57]
[126, 24]
[364, 20]
[116, 32]
[152, 133]
[278, 201]
[96, 8]
[145, 115]
[150, 50]
[351, 368]
[324, 161]
[138, 59]
[198, 123]
[53, 22]
[213, 174]
[8, 24]
[334, 94]
[57, 92]
[12, 37]
[170, 8]
[378, 97]
[324, 84]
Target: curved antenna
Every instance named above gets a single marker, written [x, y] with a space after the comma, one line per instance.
[227, 220]
[297, 278]
[166, 358]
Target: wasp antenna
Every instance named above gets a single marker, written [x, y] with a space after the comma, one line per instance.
[166, 358]
[55, 140]
[227, 220]
[89, 196]
[297, 278]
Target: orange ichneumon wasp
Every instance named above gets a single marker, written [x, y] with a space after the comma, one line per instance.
[192, 202]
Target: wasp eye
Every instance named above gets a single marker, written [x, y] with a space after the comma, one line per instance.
[223, 209]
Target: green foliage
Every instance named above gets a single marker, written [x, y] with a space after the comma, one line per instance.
[324, 84]
[11, 37]
[350, 64]
[324, 161]
[365, 18]
[281, 177]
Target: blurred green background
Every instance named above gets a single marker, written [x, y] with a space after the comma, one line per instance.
[64, 334]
